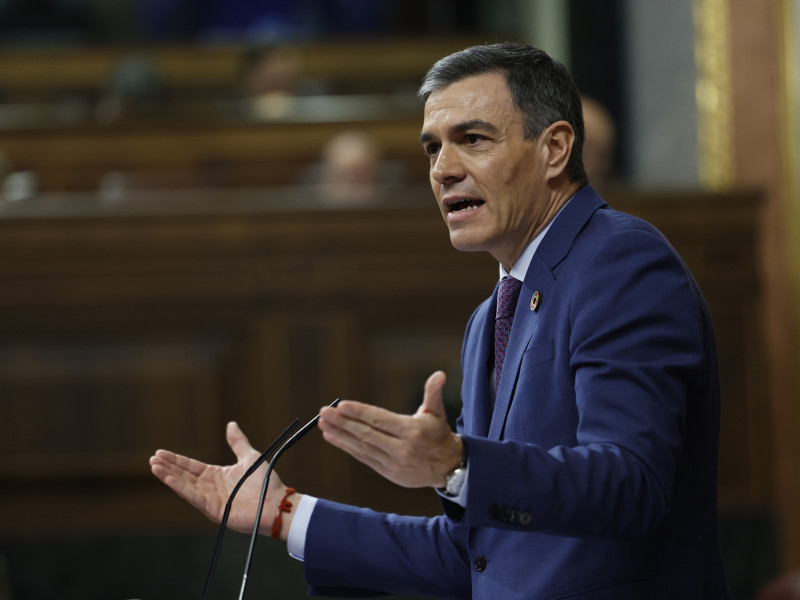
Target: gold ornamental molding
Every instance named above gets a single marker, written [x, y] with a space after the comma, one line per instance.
[789, 28]
[712, 49]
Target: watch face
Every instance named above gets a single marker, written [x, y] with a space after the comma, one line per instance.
[455, 481]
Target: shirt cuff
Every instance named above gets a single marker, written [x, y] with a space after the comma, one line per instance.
[296, 542]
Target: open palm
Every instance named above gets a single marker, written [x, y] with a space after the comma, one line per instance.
[207, 487]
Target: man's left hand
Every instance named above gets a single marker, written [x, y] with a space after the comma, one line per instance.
[413, 451]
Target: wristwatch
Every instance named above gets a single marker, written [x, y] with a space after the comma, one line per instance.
[456, 478]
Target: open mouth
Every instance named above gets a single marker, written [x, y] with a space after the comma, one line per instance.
[464, 205]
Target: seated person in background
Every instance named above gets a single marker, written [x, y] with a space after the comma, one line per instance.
[135, 87]
[5, 169]
[269, 79]
[352, 170]
[598, 145]
[16, 185]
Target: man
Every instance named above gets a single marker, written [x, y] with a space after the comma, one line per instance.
[586, 455]
[598, 144]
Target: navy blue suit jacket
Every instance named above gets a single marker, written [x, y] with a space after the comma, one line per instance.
[594, 474]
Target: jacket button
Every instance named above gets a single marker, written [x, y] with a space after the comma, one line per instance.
[479, 563]
[525, 518]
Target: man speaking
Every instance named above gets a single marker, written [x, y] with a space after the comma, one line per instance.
[584, 464]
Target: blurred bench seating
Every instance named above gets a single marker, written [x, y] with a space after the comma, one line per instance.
[195, 136]
[348, 67]
[193, 153]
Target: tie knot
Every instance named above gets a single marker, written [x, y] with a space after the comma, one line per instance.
[507, 297]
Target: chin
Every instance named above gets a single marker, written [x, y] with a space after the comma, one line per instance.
[464, 244]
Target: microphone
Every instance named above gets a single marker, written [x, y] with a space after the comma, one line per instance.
[303, 430]
[252, 469]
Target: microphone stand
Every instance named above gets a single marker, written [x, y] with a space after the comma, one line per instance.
[304, 430]
[252, 469]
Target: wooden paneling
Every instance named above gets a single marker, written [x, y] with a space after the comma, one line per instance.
[194, 153]
[373, 65]
[151, 326]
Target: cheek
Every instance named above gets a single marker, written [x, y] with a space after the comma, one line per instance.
[524, 179]
[436, 187]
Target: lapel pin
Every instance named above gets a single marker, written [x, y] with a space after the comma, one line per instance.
[535, 300]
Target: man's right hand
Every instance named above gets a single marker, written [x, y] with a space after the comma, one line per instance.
[207, 487]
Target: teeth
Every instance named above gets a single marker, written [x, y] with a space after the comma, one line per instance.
[466, 208]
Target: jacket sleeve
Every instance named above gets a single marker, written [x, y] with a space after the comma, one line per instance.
[354, 552]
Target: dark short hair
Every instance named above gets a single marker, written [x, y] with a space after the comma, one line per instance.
[541, 88]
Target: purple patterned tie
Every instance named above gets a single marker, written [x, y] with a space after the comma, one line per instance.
[506, 304]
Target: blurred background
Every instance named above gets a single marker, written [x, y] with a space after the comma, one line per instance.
[218, 210]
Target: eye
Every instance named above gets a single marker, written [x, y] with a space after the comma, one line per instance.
[432, 149]
[472, 138]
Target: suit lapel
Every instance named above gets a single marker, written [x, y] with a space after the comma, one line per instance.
[476, 392]
[540, 277]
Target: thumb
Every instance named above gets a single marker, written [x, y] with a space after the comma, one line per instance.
[433, 400]
[237, 441]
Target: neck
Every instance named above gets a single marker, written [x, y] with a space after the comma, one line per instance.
[556, 201]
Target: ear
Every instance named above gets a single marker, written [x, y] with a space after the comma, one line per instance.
[557, 147]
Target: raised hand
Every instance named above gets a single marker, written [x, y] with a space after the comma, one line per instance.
[207, 487]
[410, 450]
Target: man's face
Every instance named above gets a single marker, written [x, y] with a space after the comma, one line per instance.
[488, 179]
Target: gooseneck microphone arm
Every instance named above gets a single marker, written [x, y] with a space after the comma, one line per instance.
[304, 430]
[252, 469]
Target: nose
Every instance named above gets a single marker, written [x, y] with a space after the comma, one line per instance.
[448, 167]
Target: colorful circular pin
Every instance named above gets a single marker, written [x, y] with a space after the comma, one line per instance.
[535, 299]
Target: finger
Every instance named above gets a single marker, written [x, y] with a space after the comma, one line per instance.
[375, 457]
[358, 436]
[433, 398]
[238, 441]
[164, 470]
[397, 466]
[178, 461]
[188, 490]
[360, 439]
[354, 414]
[167, 475]
[189, 486]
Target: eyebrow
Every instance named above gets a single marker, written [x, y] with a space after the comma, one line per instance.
[462, 127]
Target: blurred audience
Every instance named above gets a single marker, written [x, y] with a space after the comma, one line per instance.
[268, 81]
[270, 78]
[16, 185]
[352, 170]
[134, 87]
[5, 166]
[599, 143]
